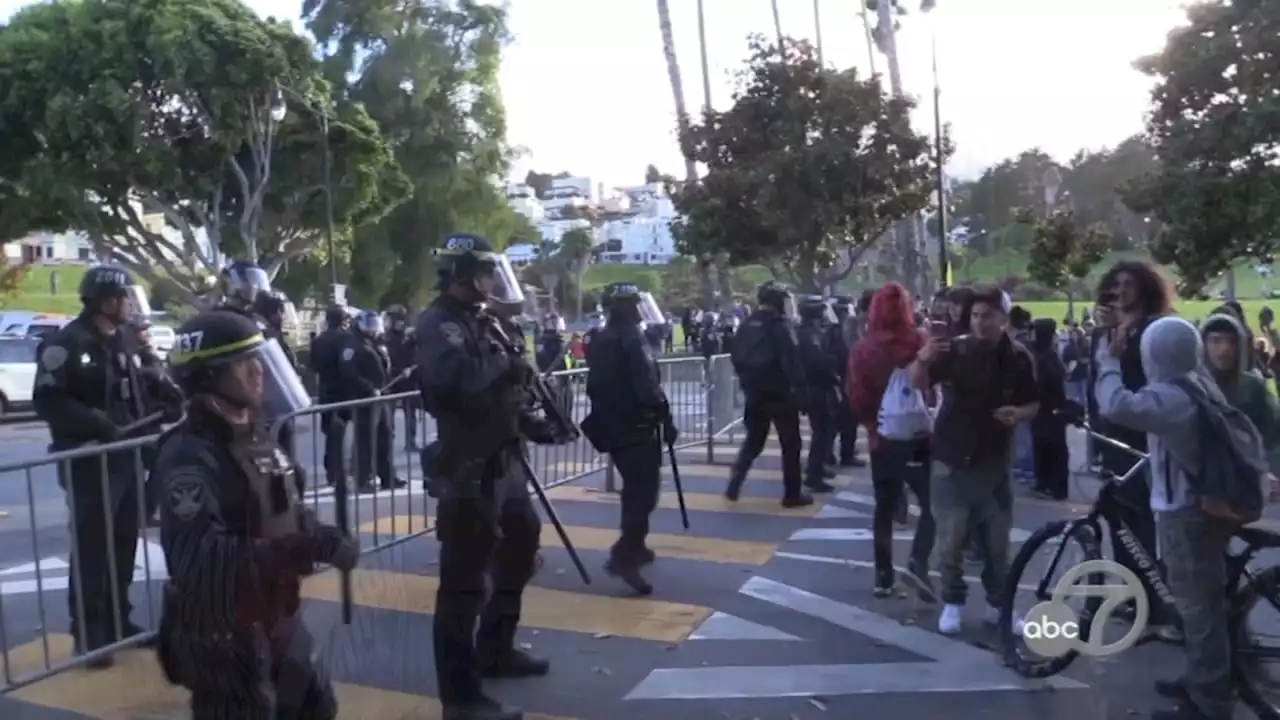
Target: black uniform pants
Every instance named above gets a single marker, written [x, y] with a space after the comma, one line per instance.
[373, 444]
[473, 551]
[297, 688]
[895, 466]
[848, 433]
[757, 416]
[1052, 462]
[334, 427]
[640, 466]
[105, 515]
[822, 427]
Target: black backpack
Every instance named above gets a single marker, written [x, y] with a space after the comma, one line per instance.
[755, 359]
[1233, 459]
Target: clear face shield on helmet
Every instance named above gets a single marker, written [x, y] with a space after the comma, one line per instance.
[269, 381]
[595, 321]
[371, 325]
[138, 298]
[829, 313]
[247, 283]
[553, 322]
[650, 313]
[790, 310]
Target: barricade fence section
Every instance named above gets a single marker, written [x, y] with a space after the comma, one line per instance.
[89, 514]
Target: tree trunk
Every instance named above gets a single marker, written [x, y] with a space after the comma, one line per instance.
[682, 121]
[887, 40]
[724, 280]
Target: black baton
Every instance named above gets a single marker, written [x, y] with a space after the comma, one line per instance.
[675, 478]
[555, 519]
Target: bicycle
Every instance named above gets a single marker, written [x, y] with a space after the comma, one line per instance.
[1245, 587]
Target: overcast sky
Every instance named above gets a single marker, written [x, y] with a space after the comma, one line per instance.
[586, 87]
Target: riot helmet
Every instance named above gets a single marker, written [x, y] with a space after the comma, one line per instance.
[397, 318]
[595, 320]
[223, 355]
[242, 282]
[369, 324]
[816, 308]
[777, 297]
[470, 260]
[553, 323]
[108, 291]
[627, 302]
[335, 316]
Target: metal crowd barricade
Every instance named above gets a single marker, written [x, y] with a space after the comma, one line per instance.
[703, 396]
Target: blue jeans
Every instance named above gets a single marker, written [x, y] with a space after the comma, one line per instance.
[1023, 459]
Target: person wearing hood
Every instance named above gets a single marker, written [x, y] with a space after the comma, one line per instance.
[891, 342]
[1193, 541]
[1048, 429]
[1227, 355]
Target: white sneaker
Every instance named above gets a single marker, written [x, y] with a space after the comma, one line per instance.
[992, 616]
[951, 619]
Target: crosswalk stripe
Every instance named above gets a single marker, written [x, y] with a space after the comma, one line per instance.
[135, 688]
[686, 547]
[700, 502]
[641, 618]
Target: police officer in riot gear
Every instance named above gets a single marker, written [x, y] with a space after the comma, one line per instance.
[726, 328]
[767, 361]
[624, 379]
[838, 339]
[550, 350]
[241, 282]
[90, 388]
[326, 354]
[595, 324]
[709, 335]
[486, 524]
[236, 536]
[366, 372]
[274, 311]
[403, 351]
[822, 378]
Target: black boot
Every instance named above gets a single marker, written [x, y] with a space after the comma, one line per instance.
[95, 638]
[800, 499]
[734, 490]
[628, 571]
[483, 708]
[395, 484]
[819, 485]
[511, 664]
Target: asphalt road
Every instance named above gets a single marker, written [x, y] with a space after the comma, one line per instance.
[760, 613]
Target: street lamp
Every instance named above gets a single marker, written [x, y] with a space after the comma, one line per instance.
[278, 107]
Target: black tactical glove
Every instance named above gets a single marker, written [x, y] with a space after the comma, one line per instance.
[670, 434]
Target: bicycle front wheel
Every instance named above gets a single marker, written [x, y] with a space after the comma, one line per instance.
[1255, 644]
[1055, 540]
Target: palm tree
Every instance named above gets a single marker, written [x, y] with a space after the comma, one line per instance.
[575, 253]
[682, 120]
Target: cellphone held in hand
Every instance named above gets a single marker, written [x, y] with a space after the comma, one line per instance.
[939, 329]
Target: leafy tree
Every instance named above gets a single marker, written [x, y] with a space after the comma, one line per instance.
[117, 112]
[652, 175]
[806, 170]
[992, 202]
[1212, 124]
[1063, 249]
[11, 278]
[427, 72]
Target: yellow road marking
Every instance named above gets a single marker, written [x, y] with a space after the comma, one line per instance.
[135, 688]
[687, 547]
[641, 618]
[705, 502]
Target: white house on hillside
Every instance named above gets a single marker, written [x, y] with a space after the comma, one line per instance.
[636, 228]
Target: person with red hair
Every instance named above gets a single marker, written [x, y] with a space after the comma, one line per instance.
[891, 342]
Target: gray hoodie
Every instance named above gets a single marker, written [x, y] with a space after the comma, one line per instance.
[1170, 348]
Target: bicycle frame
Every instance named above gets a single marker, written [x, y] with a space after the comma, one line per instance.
[1108, 507]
